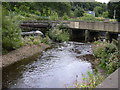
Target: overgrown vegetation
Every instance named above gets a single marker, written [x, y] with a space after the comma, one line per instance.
[35, 40]
[108, 55]
[88, 17]
[11, 38]
[59, 34]
[91, 80]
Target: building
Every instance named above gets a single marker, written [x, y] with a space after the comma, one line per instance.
[91, 12]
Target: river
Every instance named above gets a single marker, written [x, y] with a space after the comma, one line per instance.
[57, 67]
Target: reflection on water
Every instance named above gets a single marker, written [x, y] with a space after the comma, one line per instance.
[56, 68]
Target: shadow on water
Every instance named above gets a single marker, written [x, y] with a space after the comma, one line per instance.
[54, 68]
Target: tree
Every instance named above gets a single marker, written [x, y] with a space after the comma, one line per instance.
[79, 12]
[11, 38]
[65, 17]
[118, 11]
[32, 7]
[112, 7]
[54, 16]
[98, 11]
[105, 14]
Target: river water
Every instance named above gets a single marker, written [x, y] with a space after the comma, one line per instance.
[57, 67]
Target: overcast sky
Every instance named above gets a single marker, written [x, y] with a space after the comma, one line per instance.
[106, 1]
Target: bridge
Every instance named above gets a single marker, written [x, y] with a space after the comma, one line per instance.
[96, 26]
[111, 29]
[88, 25]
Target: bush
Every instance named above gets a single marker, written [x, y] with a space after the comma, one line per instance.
[46, 40]
[30, 40]
[35, 40]
[54, 16]
[29, 16]
[88, 17]
[59, 35]
[105, 14]
[65, 17]
[79, 12]
[91, 80]
[11, 38]
[108, 55]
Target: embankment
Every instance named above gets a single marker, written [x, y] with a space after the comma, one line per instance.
[22, 53]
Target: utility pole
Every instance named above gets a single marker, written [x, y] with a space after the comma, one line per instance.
[114, 14]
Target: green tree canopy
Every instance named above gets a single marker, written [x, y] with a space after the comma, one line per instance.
[114, 9]
[98, 11]
[79, 12]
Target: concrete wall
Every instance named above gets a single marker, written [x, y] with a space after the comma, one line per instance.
[98, 26]
[111, 81]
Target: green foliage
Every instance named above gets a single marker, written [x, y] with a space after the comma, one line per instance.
[72, 13]
[46, 40]
[114, 6]
[91, 80]
[59, 35]
[39, 8]
[105, 14]
[48, 9]
[30, 40]
[11, 38]
[35, 40]
[28, 16]
[88, 17]
[79, 12]
[89, 5]
[108, 55]
[54, 16]
[98, 11]
[54, 10]
[65, 17]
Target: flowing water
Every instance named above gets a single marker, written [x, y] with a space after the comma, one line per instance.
[57, 67]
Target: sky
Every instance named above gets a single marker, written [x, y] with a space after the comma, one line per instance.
[106, 1]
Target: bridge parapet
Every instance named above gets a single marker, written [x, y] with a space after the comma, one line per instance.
[42, 23]
[97, 26]
[89, 25]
